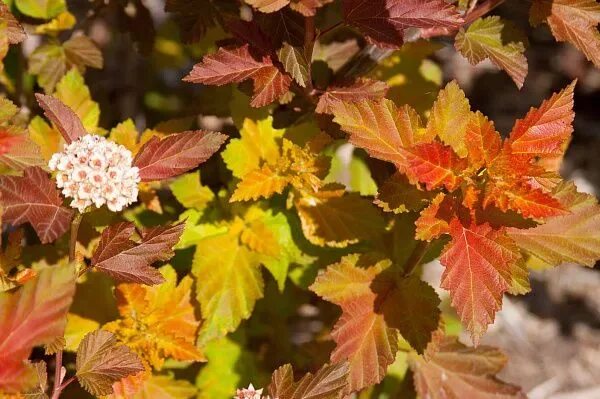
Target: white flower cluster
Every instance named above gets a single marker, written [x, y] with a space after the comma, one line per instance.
[250, 393]
[93, 170]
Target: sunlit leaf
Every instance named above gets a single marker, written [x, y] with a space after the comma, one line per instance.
[329, 382]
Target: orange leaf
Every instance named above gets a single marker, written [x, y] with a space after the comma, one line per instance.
[483, 141]
[545, 131]
[362, 89]
[435, 165]
[530, 202]
[479, 264]
[429, 225]
[379, 127]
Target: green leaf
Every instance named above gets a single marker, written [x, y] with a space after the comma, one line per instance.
[230, 282]
[43, 9]
[487, 38]
[228, 365]
[101, 362]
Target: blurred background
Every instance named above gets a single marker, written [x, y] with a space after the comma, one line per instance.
[552, 335]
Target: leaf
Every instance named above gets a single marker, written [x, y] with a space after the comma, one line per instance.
[158, 322]
[15, 32]
[230, 284]
[77, 328]
[269, 85]
[101, 362]
[263, 182]
[176, 154]
[228, 365]
[34, 314]
[259, 142]
[190, 192]
[573, 238]
[397, 195]
[411, 306]
[308, 8]
[295, 63]
[429, 225]
[484, 39]
[81, 50]
[479, 264]
[52, 60]
[74, 93]
[331, 219]
[450, 117]
[361, 335]
[529, 202]
[327, 383]
[573, 21]
[166, 387]
[63, 21]
[18, 152]
[449, 369]
[435, 165]
[379, 127]
[128, 261]
[383, 22]
[42, 9]
[545, 131]
[236, 65]
[268, 5]
[64, 119]
[482, 140]
[33, 198]
[362, 89]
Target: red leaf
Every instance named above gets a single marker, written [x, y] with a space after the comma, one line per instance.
[34, 199]
[329, 382]
[178, 153]
[479, 264]
[128, 261]
[545, 131]
[362, 89]
[16, 33]
[8, 141]
[436, 165]
[33, 315]
[66, 121]
[450, 369]
[269, 85]
[432, 222]
[384, 21]
[227, 66]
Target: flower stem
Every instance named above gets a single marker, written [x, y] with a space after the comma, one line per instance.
[58, 387]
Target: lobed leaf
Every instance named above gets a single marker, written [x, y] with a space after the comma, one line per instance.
[480, 263]
[34, 314]
[435, 165]
[128, 261]
[327, 383]
[362, 89]
[484, 39]
[449, 369]
[101, 362]
[383, 22]
[33, 198]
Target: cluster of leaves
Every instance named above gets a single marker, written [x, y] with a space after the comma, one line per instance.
[339, 182]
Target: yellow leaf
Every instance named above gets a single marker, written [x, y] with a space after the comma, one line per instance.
[77, 328]
[190, 192]
[263, 182]
[63, 21]
[258, 143]
[158, 322]
[450, 117]
[45, 136]
[72, 91]
[126, 134]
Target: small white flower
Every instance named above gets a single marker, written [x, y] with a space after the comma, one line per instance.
[248, 393]
[94, 171]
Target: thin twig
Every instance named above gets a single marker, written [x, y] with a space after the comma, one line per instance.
[58, 387]
[309, 45]
[330, 29]
[416, 257]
